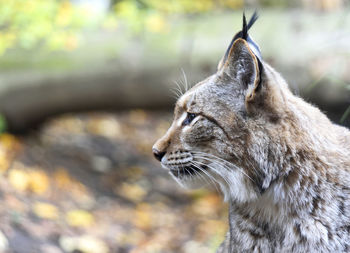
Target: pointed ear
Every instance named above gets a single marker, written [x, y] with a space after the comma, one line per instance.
[244, 68]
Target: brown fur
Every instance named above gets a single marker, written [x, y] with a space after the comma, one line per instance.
[279, 161]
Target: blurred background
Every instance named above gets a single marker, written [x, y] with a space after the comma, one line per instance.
[86, 87]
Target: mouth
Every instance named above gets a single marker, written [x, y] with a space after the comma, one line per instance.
[189, 170]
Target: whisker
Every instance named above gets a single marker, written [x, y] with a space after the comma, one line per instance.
[216, 171]
[214, 156]
[182, 167]
[212, 179]
[175, 92]
[178, 89]
[225, 166]
[223, 160]
[185, 79]
[199, 174]
[189, 172]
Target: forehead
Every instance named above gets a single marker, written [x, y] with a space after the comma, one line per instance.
[183, 102]
[185, 99]
[196, 91]
[212, 96]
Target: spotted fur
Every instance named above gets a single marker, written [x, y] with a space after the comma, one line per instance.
[279, 162]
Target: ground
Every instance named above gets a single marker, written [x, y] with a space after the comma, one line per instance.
[88, 183]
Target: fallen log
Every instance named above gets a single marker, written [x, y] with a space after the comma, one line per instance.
[142, 76]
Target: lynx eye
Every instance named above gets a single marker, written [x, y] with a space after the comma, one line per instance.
[188, 119]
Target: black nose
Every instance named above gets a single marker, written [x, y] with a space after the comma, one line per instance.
[157, 154]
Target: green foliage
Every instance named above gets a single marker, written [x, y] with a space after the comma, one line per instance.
[3, 124]
[154, 15]
[278, 3]
[50, 23]
[58, 24]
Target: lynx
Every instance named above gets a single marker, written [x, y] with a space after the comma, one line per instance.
[281, 164]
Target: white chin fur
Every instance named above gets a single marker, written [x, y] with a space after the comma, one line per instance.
[190, 182]
[232, 183]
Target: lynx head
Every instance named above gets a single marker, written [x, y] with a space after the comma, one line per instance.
[222, 126]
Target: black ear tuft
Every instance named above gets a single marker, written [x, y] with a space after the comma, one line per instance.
[245, 28]
[252, 20]
[244, 35]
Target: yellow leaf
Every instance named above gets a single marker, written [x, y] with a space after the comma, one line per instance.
[62, 178]
[19, 179]
[8, 141]
[38, 181]
[105, 126]
[85, 244]
[45, 211]
[79, 218]
[64, 15]
[131, 191]
[155, 23]
[233, 4]
[209, 228]
[208, 205]
[4, 161]
[143, 217]
[133, 237]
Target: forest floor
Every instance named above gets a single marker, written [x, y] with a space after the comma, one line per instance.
[88, 183]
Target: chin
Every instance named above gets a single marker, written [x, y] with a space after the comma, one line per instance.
[188, 182]
[190, 178]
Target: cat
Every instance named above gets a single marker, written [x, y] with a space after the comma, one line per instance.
[282, 165]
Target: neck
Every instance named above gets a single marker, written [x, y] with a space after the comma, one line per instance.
[308, 190]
